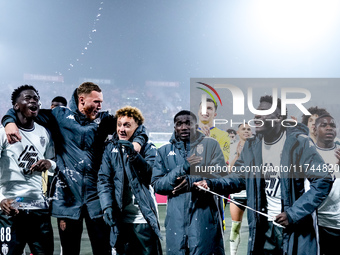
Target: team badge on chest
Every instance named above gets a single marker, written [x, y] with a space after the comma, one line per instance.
[42, 141]
[200, 149]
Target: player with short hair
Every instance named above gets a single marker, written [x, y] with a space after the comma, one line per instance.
[281, 194]
[58, 101]
[194, 220]
[328, 211]
[309, 120]
[206, 126]
[24, 216]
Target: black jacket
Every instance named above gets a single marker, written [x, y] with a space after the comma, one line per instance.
[79, 146]
[116, 171]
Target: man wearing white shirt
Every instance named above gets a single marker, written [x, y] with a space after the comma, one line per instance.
[24, 215]
[328, 211]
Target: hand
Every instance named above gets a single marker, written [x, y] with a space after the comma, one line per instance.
[6, 206]
[12, 133]
[337, 155]
[108, 217]
[137, 147]
[182, 187]
[128, 146]
[282, 219]
[193, 159]
[41, 165]
[202, 183]
[205, 130]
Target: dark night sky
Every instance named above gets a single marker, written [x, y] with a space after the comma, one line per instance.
[136, 41]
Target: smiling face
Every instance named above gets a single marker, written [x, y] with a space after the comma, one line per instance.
[325, 132]
[244, 132]
[126, 126]
[27, 104]
[90, 104]
[185, 127]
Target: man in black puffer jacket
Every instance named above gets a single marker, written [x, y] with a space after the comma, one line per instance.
[126, 196]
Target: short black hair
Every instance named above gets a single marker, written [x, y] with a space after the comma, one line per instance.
[231, 131]
[16, 93]
[269, 99]
[314, 110]
[212, 101]
[185, 112]
[321, 117]
[60, 99]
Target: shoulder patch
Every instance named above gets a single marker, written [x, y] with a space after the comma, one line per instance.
[71, 117]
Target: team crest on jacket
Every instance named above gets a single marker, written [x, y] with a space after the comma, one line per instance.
[97, 121]
[42, 141]
[4, 249]
[200, 148]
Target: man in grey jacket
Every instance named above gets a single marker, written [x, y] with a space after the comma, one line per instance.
[194, 220]
[126, 196]
[273, 167]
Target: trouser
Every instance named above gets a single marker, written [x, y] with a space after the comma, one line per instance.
[137, 239]
[329, 240]
[32, 227]
[70, 232]
[273, 240]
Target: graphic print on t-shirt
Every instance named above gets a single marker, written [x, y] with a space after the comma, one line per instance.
[27, 158]
[272, 180]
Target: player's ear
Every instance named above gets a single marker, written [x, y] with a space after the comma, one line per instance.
[16, 107]
[215, 114]
[81, 100]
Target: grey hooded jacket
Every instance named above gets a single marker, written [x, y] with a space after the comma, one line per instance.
[300, 237]
[194, 218]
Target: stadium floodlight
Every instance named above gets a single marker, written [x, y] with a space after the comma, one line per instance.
[298, 23]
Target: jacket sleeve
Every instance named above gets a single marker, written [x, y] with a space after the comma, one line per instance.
[320, 183]
[165, 180]
[143, 164]
[141, 136]
[105, 180]
[231, 183]
[9, 117]
[44, 118]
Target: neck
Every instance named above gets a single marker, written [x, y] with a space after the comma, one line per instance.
[25, 122]
[326, 145]
[273, 135]
[208, 124]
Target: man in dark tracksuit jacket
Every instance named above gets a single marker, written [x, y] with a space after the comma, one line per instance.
[193, 222]
[297, 204]
[79, 134]
[126, 196]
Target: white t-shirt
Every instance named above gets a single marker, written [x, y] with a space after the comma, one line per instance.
[16, 180]
[329, 210]
[271, 157]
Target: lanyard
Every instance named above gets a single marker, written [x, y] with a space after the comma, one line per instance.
[233, 201]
